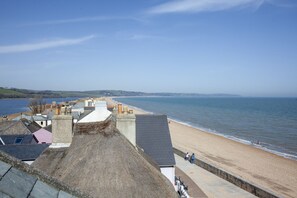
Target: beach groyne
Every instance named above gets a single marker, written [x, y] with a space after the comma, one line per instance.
[245, 185]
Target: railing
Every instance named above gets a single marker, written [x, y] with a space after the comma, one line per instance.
[182, 189]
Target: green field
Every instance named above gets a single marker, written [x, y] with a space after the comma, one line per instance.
[25, 93]
[10, 93]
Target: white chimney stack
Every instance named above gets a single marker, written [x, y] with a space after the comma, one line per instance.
[127, 126]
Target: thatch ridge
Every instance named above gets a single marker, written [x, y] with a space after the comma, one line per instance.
[107, 128]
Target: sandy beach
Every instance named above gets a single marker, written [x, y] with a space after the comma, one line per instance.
[266, 170]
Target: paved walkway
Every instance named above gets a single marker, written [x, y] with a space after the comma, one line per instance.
[194, 190]
[210, 184]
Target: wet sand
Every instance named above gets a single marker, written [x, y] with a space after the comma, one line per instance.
[266, 170]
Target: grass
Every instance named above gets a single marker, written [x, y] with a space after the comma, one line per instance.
[10, 92]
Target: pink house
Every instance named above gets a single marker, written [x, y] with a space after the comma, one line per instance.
[43, 136]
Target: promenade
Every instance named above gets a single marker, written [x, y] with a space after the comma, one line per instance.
[209, 183]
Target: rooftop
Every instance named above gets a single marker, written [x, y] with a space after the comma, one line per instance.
[17, 179]
[120, 170]
[18, 139]
[13, 128]
[153, 136]
[24, 152]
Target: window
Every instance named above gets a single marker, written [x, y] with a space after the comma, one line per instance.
[18, 140]
[41, 122]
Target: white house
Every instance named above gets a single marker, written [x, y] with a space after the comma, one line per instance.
[41, 120]
[151, 134]
[99, 114]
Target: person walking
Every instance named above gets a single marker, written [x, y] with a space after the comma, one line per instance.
[187, 156]
[192, 160]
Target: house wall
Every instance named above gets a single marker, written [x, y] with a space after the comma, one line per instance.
[28, 162]
[41, 123]
[49, 122]
[169, 172]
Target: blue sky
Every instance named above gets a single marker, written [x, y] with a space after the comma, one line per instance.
[246, 47]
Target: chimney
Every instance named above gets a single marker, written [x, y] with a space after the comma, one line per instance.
[125, 109]
[61, 131]
[127, 126]
[120, 108]
[58, 110]
[63, 110]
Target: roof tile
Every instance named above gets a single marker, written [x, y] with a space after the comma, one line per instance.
[22, 183]
[3, 168]
[153, 136]
[63, 194]
[43, 190]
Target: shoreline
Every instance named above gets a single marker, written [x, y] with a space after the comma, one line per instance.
[239, 140]
[253, 164]
[236, 139]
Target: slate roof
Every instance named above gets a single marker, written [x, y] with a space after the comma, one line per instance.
[85, 113]
[13, 128]
[79, 105]
[28, 117]
[75, 115]
[39, 118]
[153, 136]
[89, 108]
[18, 180]
[48, 128]
[24, 152]
[26, 139]
[31, 125]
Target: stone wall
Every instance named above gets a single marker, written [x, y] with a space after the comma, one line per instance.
[245, 185]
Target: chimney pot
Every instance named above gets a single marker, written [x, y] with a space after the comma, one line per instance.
[120, 108]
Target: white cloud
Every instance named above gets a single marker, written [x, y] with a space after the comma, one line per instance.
[43, 45]
[141, 37]
[203, 5]
[82, 19]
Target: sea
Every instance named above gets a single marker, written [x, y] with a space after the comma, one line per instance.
[11, 106]
[266, 123]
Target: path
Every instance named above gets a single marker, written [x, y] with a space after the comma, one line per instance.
[210, 184]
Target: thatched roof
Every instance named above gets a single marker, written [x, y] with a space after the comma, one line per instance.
[102, 163]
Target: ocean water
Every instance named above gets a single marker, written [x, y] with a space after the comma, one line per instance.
[10, 106]
[266, 123]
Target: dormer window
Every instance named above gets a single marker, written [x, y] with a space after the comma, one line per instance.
[18, 140]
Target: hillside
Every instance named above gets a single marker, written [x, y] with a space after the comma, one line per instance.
[26, 93]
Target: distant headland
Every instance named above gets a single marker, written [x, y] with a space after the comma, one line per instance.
[27, 93]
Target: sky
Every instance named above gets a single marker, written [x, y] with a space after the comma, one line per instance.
[245, 47]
